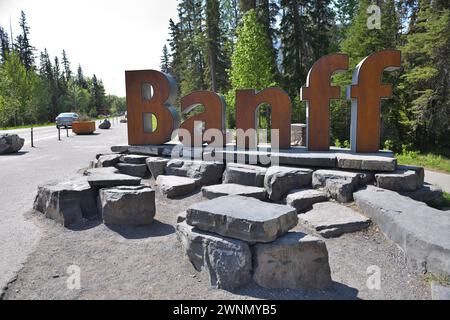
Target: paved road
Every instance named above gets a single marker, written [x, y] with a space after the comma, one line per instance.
[438, 178]
[21, 173]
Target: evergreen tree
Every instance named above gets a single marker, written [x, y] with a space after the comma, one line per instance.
[80, 80]
[97, 96]
[165, 63]
[66, 66]
[4, 44]
[322, 18]
[25, 50]
[247, 5]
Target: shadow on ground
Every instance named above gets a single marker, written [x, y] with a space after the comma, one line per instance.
[156, 229]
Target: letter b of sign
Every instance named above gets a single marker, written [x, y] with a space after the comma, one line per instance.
[150, 92]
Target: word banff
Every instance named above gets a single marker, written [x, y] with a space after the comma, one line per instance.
[153, 93]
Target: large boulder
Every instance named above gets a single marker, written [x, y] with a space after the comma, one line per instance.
[67, 202]
[242, 218]
[422, 232]
[340, 185]
[135, 170]
[127, 205]
[366, 162]
[403, 179]
[205, 172]
[303, 200]
[227, 189]
[293, 261]
[278, 181]
[244, 174]
[227, 261]
[330, 219]
[157, 166]
[106, 124]
[10, 143]
[174, 186]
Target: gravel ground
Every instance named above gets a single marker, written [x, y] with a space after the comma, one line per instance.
[148, 263]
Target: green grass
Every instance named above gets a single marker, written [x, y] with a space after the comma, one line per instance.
[428, 160]
[28, 126]
[439, 278]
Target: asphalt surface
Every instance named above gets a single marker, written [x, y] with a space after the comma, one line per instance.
[21, 173]
[438, 178]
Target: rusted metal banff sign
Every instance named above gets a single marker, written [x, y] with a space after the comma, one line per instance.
[151, 92]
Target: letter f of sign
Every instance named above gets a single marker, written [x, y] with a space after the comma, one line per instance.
[317, 94]
[366, 93]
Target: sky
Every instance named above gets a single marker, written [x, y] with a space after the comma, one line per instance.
[106, 37]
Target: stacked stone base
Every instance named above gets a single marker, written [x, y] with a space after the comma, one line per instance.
[236, 239]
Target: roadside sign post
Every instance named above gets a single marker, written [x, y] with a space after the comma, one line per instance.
[32, 136]
[59, 134]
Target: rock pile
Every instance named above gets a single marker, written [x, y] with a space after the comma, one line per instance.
[236, 239]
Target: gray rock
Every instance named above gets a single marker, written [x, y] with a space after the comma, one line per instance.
[400, 180]
[152, 150]
[422, 232]
[226, 189]
[331, 219]
[135, 170]
[108, 180]
[127, 205]
[278, 181]
[174, 186]
[108, 160]
[420, 171]
[292, 157]
[106, 124]
[340, 185]
[66, 202]
[205, 172]
[244, 174]
[119, 149]
[10, 143]
[157, 165]
[242, 218]
[303, 200]
[133, 159]
[439, 291]
[227, 261]
[430, 194]
[366, 162]
[106, 170]
[294, 261]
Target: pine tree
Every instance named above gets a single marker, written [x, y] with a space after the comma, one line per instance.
[66, 66]
[80, 80]
[321, 17]
[4, 44]
[97, 96]
[23, 46]
[165, 63]
[247, 5]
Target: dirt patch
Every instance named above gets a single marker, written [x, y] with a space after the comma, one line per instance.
[148, 263]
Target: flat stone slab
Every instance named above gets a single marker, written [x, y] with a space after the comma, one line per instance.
[133, 159]
[244, 174]
[157, 165]
[205, 172]
[66, 202]
[399, 180]
[293, 261]
[242, 218]
[107, 180]
[135, 170]
[149, 150]
[331, 219]
[127, 205]
[363, 162]
[107, 160]
[174, 186]
[303, 200]
[227, 261]
[106, 170]
[422, 232]
[278, 181]
[340, 185]
[439, 291]
[227, 189]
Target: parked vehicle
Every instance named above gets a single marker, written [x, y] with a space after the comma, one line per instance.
[66, 119]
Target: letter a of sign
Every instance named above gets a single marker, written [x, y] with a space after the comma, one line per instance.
[366, 93]
[318, 93]
[142, 102]
[213, 117]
